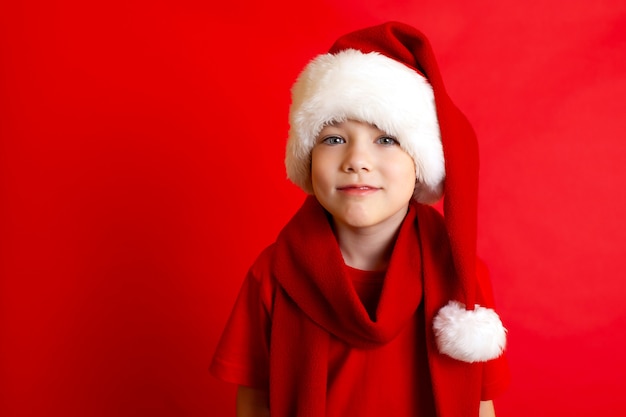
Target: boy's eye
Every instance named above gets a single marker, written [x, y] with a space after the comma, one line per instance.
[333, 140]
[387, 140]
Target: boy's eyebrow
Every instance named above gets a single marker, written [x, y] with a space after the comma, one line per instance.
[332, 123]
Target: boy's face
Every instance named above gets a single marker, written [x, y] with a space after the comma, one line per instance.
[361, 175]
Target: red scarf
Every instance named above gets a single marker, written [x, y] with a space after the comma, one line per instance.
[315, 298]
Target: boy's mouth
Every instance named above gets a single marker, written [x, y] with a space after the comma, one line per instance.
[358, 188]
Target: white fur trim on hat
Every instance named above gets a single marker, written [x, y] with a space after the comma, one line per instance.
[469, 335]
[372, 88]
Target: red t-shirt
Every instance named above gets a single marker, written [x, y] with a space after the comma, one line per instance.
[392, 380]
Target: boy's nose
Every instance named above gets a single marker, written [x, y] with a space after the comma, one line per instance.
[357, 159]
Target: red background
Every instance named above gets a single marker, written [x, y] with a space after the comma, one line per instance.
[141, 173]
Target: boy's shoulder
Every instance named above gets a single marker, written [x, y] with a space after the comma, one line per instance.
[261, 268]
[260, 280]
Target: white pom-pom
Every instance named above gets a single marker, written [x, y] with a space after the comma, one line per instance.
[469, 335]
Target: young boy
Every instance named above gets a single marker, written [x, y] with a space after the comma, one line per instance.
[370, 303]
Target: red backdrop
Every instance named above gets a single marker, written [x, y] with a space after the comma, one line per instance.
[141, 148]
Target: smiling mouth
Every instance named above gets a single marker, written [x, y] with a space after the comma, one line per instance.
[358, 188]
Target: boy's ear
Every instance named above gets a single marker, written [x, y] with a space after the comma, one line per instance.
[416, 188]
[417, 184]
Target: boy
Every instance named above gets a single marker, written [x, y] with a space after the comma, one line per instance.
[370, 303]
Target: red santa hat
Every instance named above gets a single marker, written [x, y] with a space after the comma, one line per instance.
[387, 75]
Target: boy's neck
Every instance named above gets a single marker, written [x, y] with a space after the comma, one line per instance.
[368, 249]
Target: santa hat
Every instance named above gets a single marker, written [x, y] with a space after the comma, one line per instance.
[386, 75]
